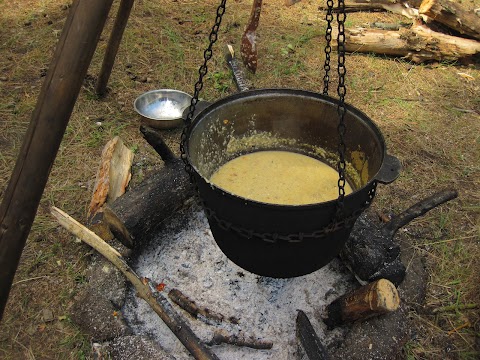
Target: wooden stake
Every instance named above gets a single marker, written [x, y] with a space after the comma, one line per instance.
[157, 302]
[379, 297]
[113, 45]
[49, 120]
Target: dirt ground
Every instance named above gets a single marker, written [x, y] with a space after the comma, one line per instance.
[429, 115]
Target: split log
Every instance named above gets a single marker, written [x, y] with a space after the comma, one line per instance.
[371, 252]
[113, 174]
[156, 301]
[453, 15]
[419, 43]
[405, 8]
[377, 298]
[143, 209]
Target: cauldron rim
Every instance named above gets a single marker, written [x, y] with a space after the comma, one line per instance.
[284, 92]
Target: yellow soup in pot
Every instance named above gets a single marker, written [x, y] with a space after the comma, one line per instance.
[279, 177]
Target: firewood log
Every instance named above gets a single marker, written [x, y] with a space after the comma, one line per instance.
[453, 15]
[113, 174]
[377, 298]
[419, 43]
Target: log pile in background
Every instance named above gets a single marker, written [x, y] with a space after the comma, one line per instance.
[441, 31]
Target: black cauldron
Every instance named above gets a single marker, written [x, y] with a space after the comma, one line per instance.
[284, 240]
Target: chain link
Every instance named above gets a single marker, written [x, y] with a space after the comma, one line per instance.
[339, 221]
[328, 46]
[345, 222]
[341, 109]
[202, 71]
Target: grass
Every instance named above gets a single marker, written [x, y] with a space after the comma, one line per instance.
[429, 115]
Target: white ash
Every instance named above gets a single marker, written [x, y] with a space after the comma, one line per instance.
[185, 256]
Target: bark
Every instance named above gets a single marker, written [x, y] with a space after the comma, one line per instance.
[377, 298]
[143, 209]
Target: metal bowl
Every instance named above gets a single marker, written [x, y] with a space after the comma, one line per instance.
[163, 108]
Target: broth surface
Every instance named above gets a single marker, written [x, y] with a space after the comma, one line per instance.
[279, 177]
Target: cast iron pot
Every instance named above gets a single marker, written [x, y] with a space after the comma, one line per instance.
[284, 240]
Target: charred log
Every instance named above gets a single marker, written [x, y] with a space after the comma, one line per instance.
[371, 251]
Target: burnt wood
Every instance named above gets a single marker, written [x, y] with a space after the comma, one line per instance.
[371, 251]
[309, 339]
[50, 117]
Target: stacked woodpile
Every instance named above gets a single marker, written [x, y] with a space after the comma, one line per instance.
[440, 30]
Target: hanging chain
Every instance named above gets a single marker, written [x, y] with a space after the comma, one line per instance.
[202, 71]
[340, 220]
[328, 46]
[341, 108]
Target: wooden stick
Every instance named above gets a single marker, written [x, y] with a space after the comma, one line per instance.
[155, 140]
[454, 308]
[113, 45]
[376, 298]
[157, 302]
[417, 210]
[49, 120]
[193, 309]
[220, 337]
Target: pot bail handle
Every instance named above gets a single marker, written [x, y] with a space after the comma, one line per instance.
[390, 170]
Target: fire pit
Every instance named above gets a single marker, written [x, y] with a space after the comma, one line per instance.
[184, 256]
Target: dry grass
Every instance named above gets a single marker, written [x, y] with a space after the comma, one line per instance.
[429, 115]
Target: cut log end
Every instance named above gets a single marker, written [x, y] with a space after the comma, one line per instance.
[374, 299]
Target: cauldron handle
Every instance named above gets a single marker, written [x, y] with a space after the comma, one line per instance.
[390, 170]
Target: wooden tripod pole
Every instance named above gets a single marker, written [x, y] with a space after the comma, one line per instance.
[49, 120]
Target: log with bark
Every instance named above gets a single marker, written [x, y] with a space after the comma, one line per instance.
[143, 209]
[374, 299]
[452, 14]
[419, 43]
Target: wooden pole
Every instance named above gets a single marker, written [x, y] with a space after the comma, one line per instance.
[113, 45]
[49, 119]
